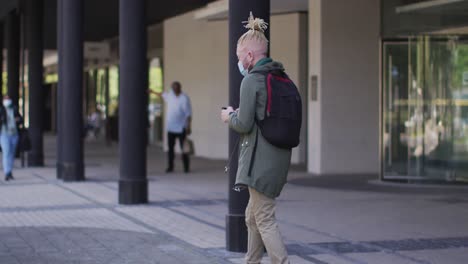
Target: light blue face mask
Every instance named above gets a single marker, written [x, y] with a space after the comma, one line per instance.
[242, 70]
[7, 102]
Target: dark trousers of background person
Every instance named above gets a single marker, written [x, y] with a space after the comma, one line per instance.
[171, 144]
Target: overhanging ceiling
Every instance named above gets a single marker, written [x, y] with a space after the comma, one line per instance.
[427, 17]
[101, 17]
[220, 8]
[6, 6]
[439, 7]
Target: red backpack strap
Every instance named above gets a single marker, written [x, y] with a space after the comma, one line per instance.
[268, 107]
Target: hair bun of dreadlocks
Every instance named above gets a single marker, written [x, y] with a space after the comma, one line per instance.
[256, 24]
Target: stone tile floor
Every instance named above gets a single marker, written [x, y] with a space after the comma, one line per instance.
[44, 220]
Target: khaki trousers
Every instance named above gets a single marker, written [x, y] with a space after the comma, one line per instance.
[263, 230]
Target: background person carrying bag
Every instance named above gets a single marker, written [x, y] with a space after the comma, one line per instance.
[188, 147]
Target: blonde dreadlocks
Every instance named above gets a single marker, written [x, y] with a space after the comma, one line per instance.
[255, 34]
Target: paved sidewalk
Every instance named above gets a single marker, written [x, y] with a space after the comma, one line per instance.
[323, 220]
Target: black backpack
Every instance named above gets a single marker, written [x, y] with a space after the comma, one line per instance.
[281, 126]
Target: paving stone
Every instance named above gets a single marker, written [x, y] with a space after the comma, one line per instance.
[8, 260]
[382, 258]
[78, 246]
[43, 220]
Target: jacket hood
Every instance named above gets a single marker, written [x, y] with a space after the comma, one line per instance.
[268, 67]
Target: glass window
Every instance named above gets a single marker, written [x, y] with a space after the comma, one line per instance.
[425, 109]
[113, 90]
[155, 108]
[101, 90]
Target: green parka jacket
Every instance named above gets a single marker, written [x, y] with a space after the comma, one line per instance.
[262, 166]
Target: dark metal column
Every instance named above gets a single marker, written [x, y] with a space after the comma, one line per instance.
[13, 57]
[59, 114]
[133, 185]
[239, 10]
[34, 42]
[72, 96]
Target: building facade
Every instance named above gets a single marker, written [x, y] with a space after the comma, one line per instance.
[384, 83]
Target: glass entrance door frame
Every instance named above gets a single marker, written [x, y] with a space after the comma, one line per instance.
[418, 109]
[382, 97]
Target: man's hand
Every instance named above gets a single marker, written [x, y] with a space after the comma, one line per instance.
[225, 114]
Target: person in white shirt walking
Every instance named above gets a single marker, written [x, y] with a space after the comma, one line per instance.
[178, 122]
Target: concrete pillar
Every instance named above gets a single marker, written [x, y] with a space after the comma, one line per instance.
[239, 10]
[13, 57]
[34, 42]
[72, 96]
[133, 184]
[343, 122]
[59, 114]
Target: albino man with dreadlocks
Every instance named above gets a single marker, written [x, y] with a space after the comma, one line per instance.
[263, 168]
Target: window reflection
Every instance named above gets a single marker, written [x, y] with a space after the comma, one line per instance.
[425, 109]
